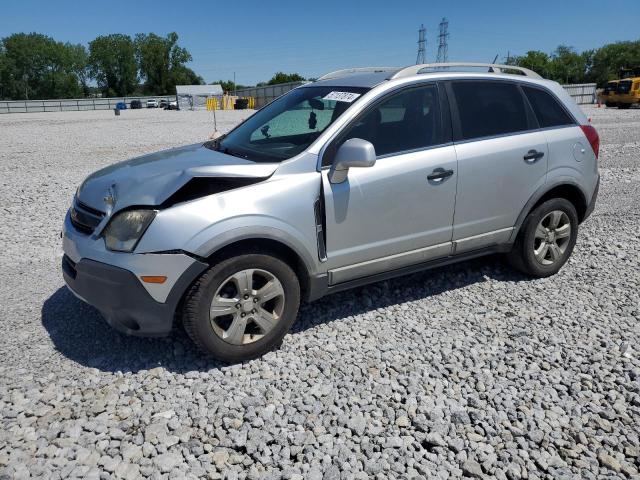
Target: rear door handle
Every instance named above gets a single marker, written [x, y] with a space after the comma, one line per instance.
[439, 174]
[533, 156]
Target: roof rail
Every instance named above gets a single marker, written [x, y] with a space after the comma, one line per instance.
[416, 69]
[347, 71]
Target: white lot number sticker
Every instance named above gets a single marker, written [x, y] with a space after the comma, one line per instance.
[341, 96]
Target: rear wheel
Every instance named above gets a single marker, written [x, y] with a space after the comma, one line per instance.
[546, 239]
[624, 106]
[242, 307]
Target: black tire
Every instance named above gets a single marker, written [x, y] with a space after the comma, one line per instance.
[624, 106]
[522, 255]
[609, 104]
[197, 303]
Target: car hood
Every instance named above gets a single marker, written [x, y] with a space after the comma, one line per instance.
[151, 179]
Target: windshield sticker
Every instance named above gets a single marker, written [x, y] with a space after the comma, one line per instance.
[341, 96]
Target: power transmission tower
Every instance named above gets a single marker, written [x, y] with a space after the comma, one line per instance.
[443, 47]
[422, 45]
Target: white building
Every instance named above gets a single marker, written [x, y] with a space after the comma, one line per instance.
[194, 97]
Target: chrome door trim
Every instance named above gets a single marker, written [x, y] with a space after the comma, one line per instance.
[391, 262]
[404, 259]
[482, 240]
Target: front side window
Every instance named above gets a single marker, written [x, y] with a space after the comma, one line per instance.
[408, 120]
[488, 108]
[287, 126]
[547, 109]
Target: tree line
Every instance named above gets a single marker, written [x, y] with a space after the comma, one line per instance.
[35, 66]
[565, 65]
[278, 77]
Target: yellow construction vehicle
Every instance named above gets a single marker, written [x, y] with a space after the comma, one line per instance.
[628, 88]
[608, 95]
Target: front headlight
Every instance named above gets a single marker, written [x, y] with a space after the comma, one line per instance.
[126, 228]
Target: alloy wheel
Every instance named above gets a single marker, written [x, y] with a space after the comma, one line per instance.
[552, 237]
[246, 306]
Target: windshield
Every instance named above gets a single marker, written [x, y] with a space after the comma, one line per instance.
[624, 86]
[288, 125]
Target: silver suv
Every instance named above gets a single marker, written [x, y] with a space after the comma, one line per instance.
[363, 175]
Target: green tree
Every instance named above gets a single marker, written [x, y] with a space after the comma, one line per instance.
[281, 77]
[112, 62]
[599, 66]
[4, 72]
[228, 85]
[567, 66]
[35, 66]
[609, 59]
[534, 60]
[78, 59]
[162, 63]
[182, 75]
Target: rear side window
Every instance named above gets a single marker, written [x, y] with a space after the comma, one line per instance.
[489, 108]
[547, 109]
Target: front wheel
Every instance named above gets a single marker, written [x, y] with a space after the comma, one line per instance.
[546, 239]
[242, 307]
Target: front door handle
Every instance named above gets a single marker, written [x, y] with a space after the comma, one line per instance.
[533, 156]
[439, 174]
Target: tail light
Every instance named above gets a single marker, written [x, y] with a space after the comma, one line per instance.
[592, 136]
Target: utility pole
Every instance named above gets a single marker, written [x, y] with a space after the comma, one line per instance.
[422, 45]
[443, 46]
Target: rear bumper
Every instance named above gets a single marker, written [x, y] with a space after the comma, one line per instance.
[592, 202]
[120, 297]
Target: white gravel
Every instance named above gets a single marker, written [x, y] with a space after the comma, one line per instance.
[470, 370]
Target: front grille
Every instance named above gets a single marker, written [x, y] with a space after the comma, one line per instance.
[84, 218]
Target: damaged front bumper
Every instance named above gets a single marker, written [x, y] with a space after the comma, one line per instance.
[110, 281]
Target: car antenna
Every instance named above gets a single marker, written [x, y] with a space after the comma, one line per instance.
[495, 59]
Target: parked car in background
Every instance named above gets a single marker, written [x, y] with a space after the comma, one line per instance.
[172, 105]
[360, 176]
[152, 103]
[121, 106]
[135, 104]
[163, 103]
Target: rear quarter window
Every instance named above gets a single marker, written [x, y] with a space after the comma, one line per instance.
[487, 108]
[547, 109]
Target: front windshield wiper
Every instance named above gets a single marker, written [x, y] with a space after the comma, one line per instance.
[216, 146]
[228, 151]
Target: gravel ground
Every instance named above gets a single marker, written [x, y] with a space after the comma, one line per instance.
[470, 370]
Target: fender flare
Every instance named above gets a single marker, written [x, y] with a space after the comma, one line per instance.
[259, 232]
[538, 194]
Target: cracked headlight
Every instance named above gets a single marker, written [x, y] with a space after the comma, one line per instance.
[126, 228]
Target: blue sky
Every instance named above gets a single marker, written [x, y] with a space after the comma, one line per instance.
[257, 38]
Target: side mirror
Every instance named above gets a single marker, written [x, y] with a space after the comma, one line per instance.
[355, 152]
